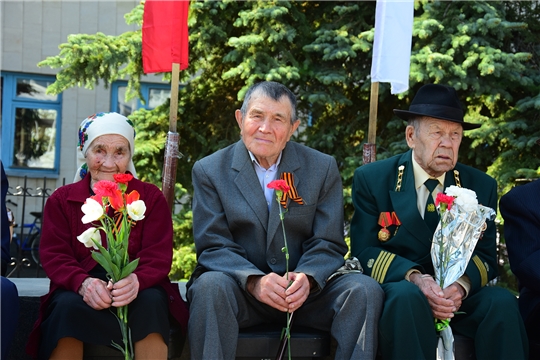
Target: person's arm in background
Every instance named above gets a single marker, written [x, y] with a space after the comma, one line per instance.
[522, 234]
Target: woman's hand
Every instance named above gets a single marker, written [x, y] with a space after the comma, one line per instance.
[125, 291]
[96, 293]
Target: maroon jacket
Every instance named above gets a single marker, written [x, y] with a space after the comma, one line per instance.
[67, 261]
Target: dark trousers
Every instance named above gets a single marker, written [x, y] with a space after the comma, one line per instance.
[492, 319]
[9, 315]
[532, 325]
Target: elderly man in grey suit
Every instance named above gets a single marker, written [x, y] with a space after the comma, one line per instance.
[240, 278]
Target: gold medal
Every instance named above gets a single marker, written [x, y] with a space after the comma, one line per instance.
[384, 234]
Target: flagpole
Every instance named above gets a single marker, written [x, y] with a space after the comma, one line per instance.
[171, 147]
[370, 148]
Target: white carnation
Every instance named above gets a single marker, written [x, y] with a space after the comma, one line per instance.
[465, 198]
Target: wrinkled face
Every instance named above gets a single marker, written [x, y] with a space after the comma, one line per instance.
[107, 155]
[266, 127]
[435, 143]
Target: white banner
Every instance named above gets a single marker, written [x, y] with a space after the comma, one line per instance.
[392, 43]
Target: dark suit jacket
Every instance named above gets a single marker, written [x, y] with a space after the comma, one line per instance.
[520, 208]
[374, 192]
[236, 234]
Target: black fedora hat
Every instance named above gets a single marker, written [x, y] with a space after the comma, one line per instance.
[436, 101]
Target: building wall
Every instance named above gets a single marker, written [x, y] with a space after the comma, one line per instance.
[32, 30]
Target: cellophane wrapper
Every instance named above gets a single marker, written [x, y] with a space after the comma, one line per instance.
[453, 243]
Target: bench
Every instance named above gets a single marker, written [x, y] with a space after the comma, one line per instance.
[255, 343]
[30, 289]
[262, 342]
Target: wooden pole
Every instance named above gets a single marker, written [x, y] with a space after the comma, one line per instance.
[173, 139]
[370, 148]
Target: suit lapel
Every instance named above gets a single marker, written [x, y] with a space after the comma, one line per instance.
[248, 183]
[289, 163]
[405, 199]
[449, 179]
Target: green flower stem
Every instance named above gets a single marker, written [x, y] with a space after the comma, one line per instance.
[286, 251]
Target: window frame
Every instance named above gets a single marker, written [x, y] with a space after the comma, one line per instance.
[10, 102]
[145, 90]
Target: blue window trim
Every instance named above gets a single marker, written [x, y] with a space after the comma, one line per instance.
[145, 90]
[9, 103]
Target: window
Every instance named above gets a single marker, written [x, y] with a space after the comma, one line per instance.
[31, 123]
[154, 95]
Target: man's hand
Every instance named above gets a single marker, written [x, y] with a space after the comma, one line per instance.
[455, 293]
[274, 290]
[125, 291]
[442, 307]
[269, 289]
[96, 293]
[298, 291]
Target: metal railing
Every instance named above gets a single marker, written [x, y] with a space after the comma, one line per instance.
[26, 202]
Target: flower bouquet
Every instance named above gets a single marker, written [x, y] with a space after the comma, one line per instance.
[128, 209]
[462, 222]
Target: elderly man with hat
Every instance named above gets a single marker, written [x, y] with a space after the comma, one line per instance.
[521, 214]
[392, 230]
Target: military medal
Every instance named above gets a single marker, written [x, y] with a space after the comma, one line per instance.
[385, 219]
[384, 234]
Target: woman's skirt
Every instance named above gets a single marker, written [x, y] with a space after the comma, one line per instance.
[69, 316]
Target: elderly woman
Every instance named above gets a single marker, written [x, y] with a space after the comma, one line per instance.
[77, 308]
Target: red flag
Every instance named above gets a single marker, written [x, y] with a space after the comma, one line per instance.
[165, 35]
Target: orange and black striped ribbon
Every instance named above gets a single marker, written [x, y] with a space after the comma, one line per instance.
[292, 193]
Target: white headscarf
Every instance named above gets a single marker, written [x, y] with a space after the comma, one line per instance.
[103, 124]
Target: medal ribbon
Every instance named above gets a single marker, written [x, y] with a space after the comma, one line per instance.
[385, 219]
[388, 218]
[292, 193]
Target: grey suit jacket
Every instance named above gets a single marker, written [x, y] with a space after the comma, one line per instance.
[236, 234]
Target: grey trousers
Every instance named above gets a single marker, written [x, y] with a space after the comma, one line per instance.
[349, 307]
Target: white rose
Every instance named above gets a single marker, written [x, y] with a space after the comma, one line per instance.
[136, 210]
[89, 237]
[92, 211]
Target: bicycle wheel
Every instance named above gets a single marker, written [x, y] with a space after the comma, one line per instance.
[34, 248]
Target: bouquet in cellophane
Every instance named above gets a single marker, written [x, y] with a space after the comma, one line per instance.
[462, 222]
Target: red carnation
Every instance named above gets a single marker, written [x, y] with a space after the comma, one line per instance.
[280, 185]
[105, 188]
[122, 178]
[446, 201]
